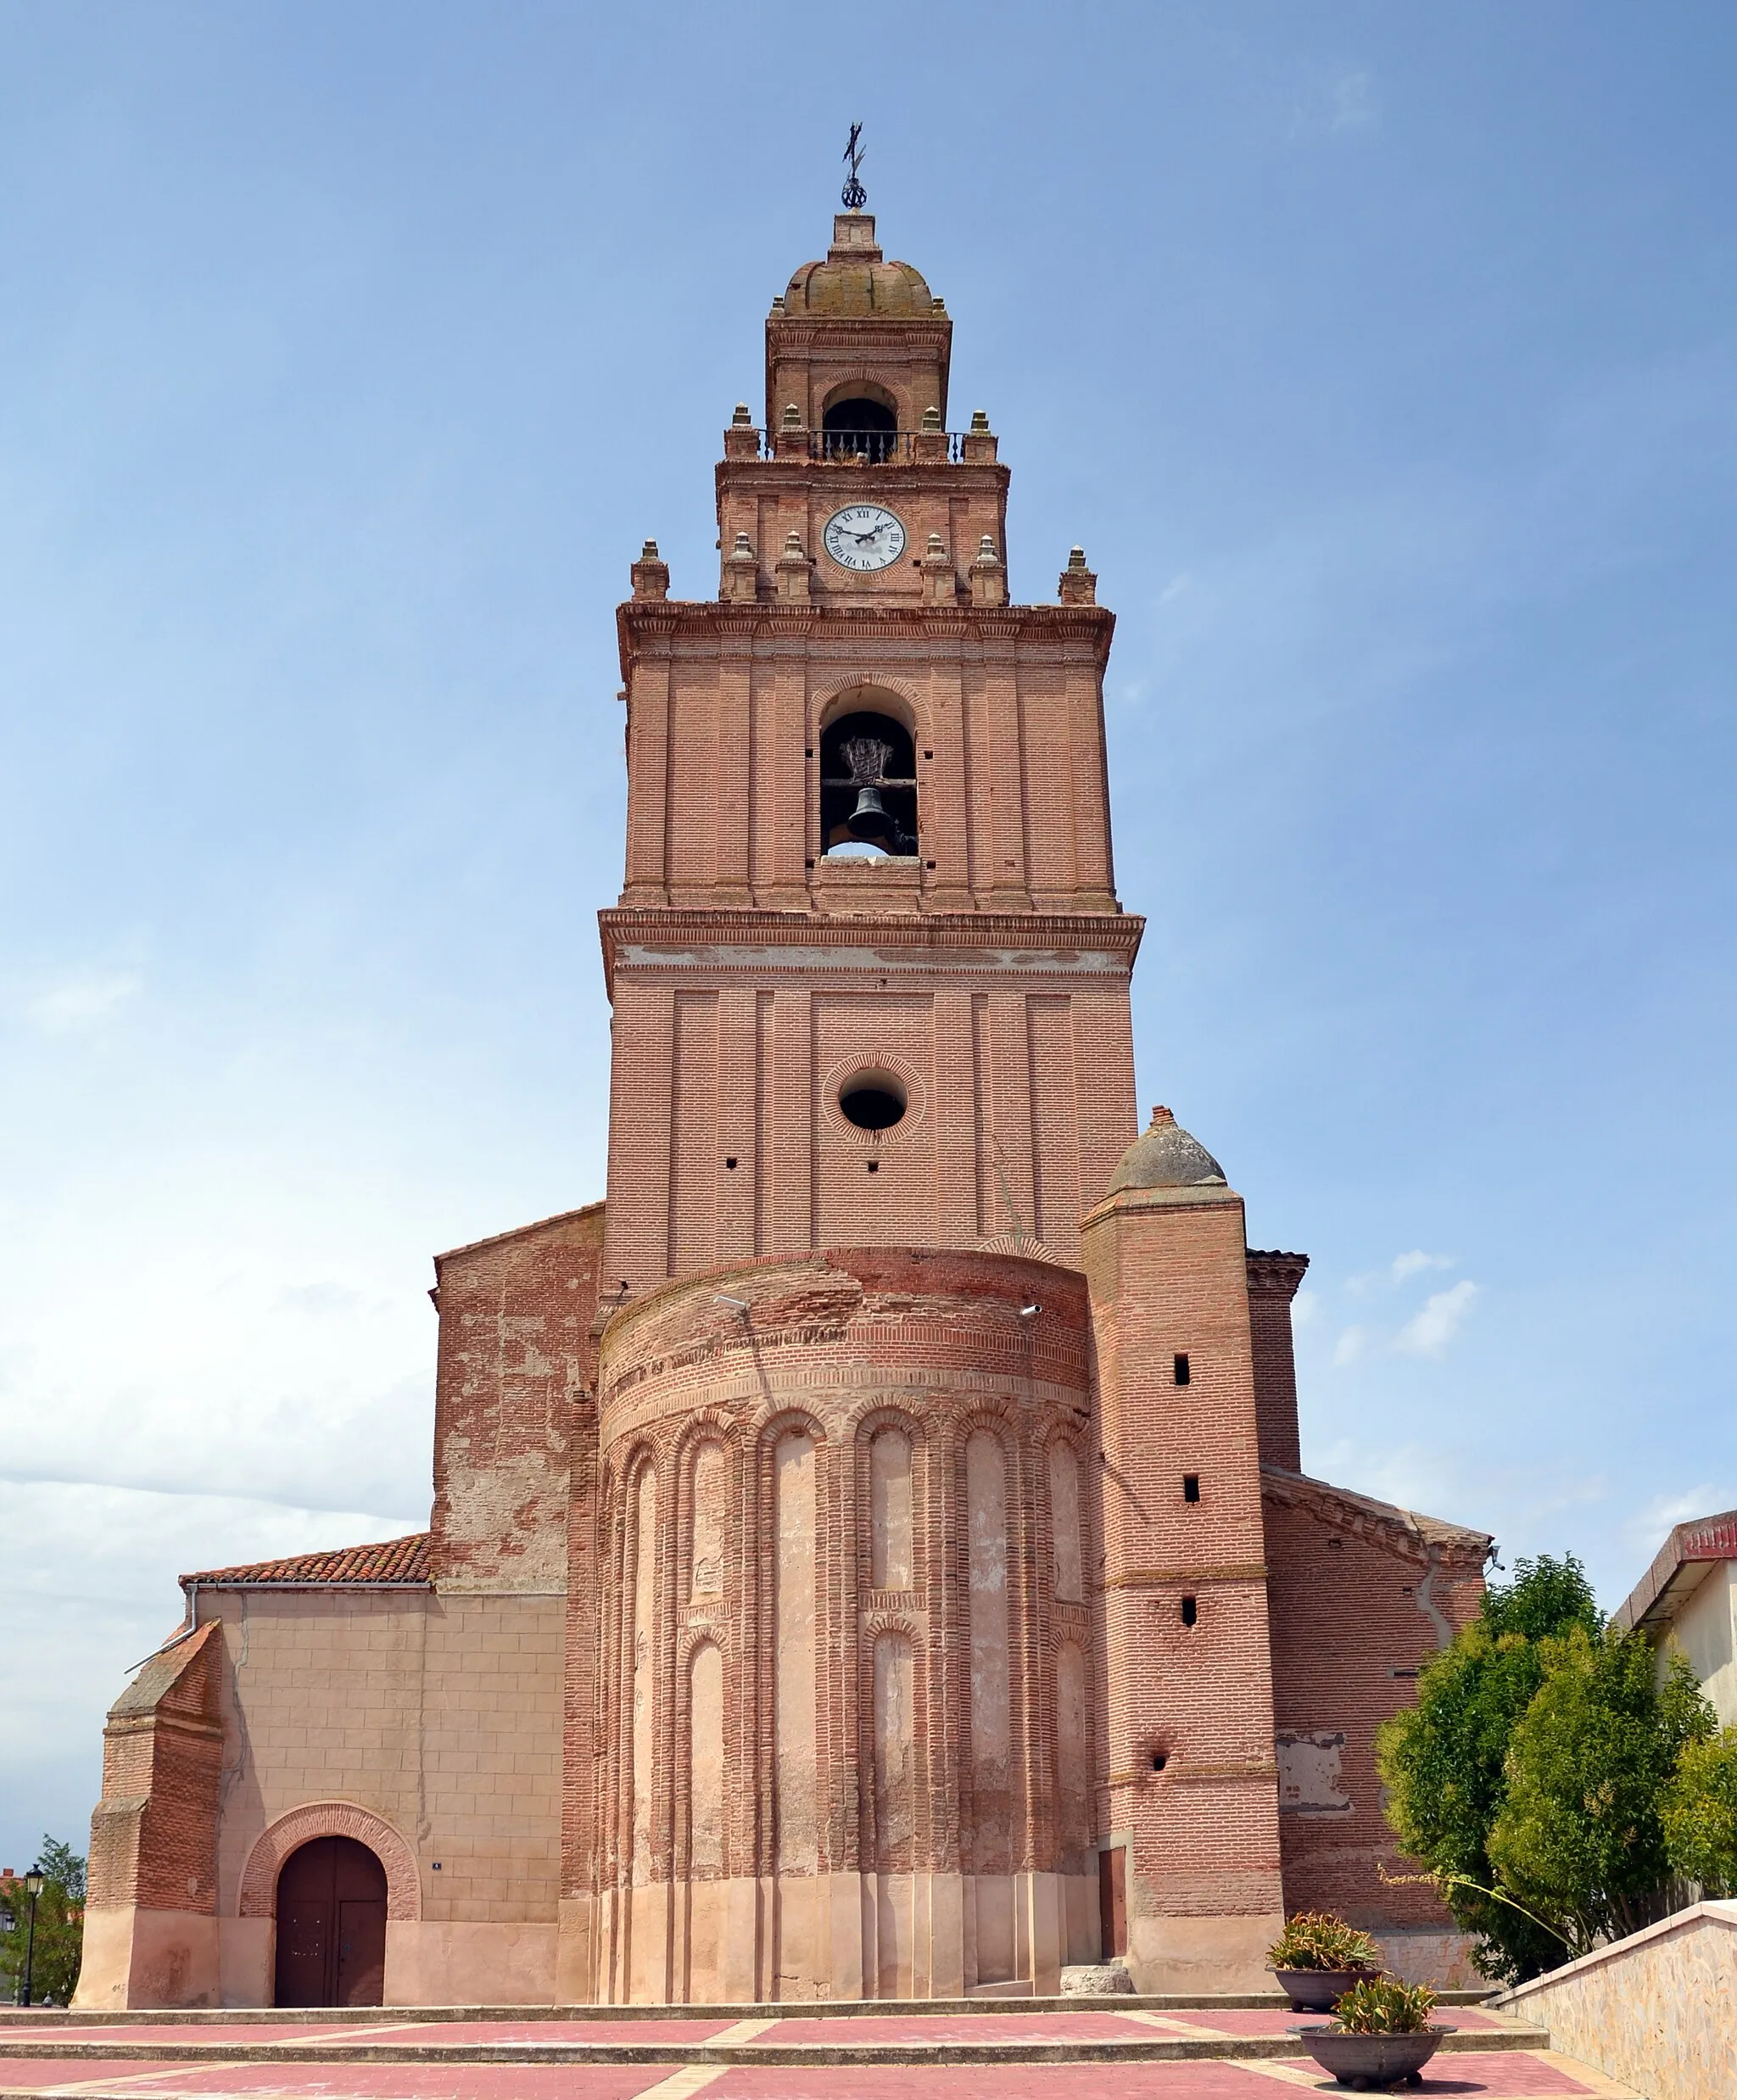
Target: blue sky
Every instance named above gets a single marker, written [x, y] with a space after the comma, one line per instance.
[1384, 358]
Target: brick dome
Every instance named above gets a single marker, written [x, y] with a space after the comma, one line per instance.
[856, 280]
[1164, 1156]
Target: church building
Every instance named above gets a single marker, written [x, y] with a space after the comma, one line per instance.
[870, 1553]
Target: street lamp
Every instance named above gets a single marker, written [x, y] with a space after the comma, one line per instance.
[33, 1888]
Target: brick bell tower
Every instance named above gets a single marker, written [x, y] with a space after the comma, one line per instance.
[866, 1698]
[870, 974]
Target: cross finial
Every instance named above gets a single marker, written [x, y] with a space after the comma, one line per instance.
[853, 196]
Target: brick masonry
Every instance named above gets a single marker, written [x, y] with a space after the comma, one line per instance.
[834, 1587]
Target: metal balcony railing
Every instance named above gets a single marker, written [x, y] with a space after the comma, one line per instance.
[863, 448]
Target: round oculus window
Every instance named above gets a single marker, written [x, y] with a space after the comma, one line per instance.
[872, 1100]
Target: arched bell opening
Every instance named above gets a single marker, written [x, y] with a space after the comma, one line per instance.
[867, 786]
[331, 1912]
[861, 427]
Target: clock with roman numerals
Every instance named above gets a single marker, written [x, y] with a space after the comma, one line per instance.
[863, 536]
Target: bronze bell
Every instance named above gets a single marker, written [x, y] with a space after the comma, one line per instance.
[870, 818]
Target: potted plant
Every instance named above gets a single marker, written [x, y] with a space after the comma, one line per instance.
[1380, 2035]
[1319, 1958]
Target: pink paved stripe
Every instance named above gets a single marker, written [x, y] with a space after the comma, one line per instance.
[219, 2037]
[348, 2081]
[978, 2027]
[986, 2082]
[459, 2033]
[1504, 2076]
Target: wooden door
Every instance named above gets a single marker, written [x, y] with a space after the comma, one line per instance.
[1113, 1901]
[331, 1925]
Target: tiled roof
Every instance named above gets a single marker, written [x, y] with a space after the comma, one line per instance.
[1686, 1558]
[1282, 1485]
[394, 1560]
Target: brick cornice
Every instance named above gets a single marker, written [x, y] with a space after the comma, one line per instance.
[652, 626]
[1275, 1275]
[1405, 1532]
[680, 932]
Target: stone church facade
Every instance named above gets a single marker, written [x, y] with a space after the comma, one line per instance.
[870, 1555]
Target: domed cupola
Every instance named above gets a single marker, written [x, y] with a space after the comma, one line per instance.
[856, 280]
[855, 344]
[1164, 1156]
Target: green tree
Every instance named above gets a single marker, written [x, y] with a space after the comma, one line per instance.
[60, 1925]
[1580, 1836]
[1699, 1811]
[1443, 1762]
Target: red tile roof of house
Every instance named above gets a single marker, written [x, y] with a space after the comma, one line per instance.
[394, 1560]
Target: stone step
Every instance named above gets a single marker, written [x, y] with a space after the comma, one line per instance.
[1109, 2033]
[1203, 2003]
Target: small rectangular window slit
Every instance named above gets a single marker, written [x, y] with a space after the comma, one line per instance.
[1191, 1487]
[1191, 1611]
[1181, 1369]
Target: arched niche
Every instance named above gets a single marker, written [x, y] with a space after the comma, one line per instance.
[869, 775]
[860, 419]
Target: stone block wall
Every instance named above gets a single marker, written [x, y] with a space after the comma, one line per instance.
[1657, 2010]
[439, 1714]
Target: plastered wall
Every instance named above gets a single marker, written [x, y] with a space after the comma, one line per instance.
[442, 1714]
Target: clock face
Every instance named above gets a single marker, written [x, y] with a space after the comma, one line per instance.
[864, 537]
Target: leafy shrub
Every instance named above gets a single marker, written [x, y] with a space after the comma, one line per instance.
[1382, 2005]
[1444, 1762]
[1579, 1837]
[1318, 1939]
[1699, 1811]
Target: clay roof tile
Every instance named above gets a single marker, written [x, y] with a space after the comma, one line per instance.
[404, 1560]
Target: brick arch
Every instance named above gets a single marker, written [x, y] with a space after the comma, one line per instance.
[879, 1623]
[992, 1412]
[318, 1819]
[695, 1634]
[792, 1419]
[827, 699]
[708, 1422]
[879, 1413]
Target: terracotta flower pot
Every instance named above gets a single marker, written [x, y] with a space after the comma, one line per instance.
[1318, 1990]
[1362, 2061]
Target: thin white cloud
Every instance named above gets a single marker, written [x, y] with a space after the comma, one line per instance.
[1647, 1530]
[1304, 1306]
[1352, 1343]
[1429, 1332]
[82, 1001]
[320, 1298]
[1400, 1270]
